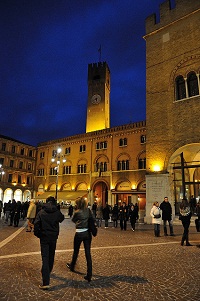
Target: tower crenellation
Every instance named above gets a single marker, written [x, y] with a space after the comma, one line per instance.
[167, 14]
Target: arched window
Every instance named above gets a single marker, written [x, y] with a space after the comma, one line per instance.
[192, 83]
[180, 88]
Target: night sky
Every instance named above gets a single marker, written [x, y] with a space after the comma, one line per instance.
[45, 49]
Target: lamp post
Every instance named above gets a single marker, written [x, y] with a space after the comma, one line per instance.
[57, 158]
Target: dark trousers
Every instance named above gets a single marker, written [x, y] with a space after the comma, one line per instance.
[123, 224]
[133, 224]
[48, 253]
[86, 238]
[186, 225]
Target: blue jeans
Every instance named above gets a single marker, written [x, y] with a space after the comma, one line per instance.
[86, 238]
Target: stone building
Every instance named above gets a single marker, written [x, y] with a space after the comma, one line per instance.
[173, 103]
[18, 164]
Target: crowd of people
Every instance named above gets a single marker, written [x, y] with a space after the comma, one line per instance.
[44, 219]
[122, 213]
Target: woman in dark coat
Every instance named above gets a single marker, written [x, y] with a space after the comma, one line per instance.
[185, 216]
[106, 214]
[133, 214]
[123, 215]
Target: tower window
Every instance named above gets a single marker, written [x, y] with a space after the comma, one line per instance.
[96, 77]
[180, 88]
[192, 83]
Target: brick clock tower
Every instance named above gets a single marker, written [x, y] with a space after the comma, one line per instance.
[98, 108]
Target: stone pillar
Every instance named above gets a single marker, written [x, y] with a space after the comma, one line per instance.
[157, 187]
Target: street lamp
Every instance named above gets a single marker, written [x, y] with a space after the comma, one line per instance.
[57, 158]
[2, 172]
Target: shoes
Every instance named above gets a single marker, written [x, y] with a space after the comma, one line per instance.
[44, 287]
[133, 230]
[188, 245]
[172, 234]
[68, 265]
[87, 278]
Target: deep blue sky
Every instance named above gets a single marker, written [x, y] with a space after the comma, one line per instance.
[45, 49]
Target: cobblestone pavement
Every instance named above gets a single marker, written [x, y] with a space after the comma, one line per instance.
[127, 266]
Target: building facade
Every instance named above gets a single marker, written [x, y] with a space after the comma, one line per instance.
[106, 165]
[173, 103]
[18, 165]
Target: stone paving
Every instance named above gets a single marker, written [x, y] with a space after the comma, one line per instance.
[127, 266]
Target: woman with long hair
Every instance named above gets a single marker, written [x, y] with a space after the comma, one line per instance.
[156, 218]
[80, 218]
[185, 216]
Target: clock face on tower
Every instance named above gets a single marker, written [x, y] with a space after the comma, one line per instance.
[96, 98]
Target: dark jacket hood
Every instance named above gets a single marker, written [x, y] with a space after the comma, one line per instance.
[50, 207]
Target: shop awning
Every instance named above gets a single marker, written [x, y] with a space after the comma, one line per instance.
[63, 195]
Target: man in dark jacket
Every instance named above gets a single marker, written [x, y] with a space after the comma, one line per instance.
[166, 208]
[46, 227]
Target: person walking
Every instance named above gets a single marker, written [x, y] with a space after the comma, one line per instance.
[197, 221]
[115, 213]
[133, 214]
[70, 210]
[7, 210]
[46, 228]
[106, 214]
[123, 216]
[166, 208]
[99, 214]
[80, 218]
[156, 218]
[12, 211]
[31, 215]
[185, 216]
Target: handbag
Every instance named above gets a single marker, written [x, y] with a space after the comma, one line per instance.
[157, 215]
[91, 225]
